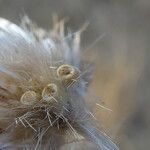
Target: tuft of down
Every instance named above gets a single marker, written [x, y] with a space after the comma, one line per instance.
[43, 83]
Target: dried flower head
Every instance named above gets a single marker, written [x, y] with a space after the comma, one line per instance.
[43, 83]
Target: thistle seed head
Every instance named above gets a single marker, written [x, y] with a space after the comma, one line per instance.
[43, 83]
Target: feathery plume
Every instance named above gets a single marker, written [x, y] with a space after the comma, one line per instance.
[43, 83]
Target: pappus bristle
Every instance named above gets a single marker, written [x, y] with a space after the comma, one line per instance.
[43, 83]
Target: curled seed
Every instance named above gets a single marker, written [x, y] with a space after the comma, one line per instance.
[68, 73]
[49, 92]
[29, 98]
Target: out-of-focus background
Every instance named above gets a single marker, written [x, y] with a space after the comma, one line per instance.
[118, 40]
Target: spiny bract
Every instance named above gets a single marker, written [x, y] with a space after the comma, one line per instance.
[43, 83]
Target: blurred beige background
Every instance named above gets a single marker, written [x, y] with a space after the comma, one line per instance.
[122, 57]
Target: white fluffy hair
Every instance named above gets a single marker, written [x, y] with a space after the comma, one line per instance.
[41, 105]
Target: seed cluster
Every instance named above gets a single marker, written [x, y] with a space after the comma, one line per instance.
[43, 85]
[67, 74]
